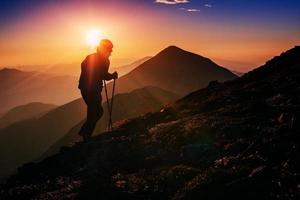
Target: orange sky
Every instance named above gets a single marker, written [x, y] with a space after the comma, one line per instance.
[55, 34]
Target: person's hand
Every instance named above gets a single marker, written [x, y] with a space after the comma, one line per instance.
[115, 75]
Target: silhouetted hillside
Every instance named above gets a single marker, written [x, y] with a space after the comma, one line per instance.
[175, 70]
[23, 112]
[18, 88]
[27, 140]
[237, 140]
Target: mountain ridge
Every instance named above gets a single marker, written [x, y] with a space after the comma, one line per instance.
[237, 139]
[27, 111]
[20, 87]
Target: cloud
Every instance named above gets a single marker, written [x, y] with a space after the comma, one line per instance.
[193, 10]
[172, 2]
[190, 9]
[208, 5]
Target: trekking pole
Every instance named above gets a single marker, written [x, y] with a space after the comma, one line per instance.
[111, 104]
[108, 106]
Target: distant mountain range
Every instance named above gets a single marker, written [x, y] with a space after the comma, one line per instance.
[172, 69]
[232, 140]
[175, 70]
[52, 85]
[27, 139]
[74, 69]
[23, 112]
[19, 88]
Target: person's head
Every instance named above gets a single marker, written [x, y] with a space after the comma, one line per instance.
[105, 48]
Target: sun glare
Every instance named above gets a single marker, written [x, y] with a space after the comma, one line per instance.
[93, 37]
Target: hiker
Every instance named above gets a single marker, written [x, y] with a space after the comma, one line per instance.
[94, 69]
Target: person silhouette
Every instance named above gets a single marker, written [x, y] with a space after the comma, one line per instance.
[94, 69]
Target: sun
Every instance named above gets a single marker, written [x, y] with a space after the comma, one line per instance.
[93, 37]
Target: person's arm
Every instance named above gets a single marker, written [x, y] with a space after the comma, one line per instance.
[109, 76]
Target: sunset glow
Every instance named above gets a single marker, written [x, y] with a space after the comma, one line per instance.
[93, 37]
[235, 34]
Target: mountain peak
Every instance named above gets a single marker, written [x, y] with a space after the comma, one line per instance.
[173, 47]
[171, 50]
[174, 52]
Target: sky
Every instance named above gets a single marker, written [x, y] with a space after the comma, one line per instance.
[237, 34]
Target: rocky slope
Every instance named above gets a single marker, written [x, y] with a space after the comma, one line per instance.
[237, 140]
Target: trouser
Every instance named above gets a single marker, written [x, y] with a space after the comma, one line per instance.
[93, 101]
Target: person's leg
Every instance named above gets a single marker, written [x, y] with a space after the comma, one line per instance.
[94, 113]
[88, 124]
[86, 96]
